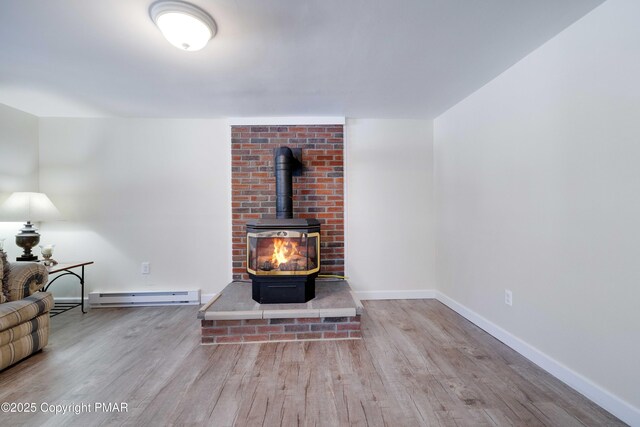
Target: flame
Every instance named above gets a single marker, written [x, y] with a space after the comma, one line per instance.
[283, 250]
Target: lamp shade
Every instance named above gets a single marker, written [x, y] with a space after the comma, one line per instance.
[26, 206]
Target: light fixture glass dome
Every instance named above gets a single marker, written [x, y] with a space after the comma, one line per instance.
[184, 25]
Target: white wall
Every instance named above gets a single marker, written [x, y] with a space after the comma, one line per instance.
[154, 190]
[135, 190]
[19, 171]
[390, 212]
[538, 191]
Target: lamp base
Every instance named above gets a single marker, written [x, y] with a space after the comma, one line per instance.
[27, 239]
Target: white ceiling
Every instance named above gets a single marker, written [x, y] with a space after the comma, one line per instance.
[354, 58]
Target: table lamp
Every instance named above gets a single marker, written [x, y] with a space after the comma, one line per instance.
[34, 207]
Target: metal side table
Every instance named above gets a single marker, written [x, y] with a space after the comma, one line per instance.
[65, 269]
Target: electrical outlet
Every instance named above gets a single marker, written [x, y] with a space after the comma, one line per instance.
[145, 268]
[508, 297]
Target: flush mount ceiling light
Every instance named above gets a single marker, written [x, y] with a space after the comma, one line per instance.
[184, 25]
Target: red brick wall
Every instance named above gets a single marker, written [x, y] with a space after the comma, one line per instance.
[318, 193]
[296, 329]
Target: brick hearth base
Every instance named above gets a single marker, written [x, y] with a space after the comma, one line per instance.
[234, 318]
[296, 329]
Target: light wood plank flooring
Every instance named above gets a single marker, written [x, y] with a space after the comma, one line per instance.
[419, 364]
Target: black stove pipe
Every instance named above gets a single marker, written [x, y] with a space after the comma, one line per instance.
[284, 165]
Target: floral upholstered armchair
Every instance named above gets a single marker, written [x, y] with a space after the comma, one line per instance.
[24, 310]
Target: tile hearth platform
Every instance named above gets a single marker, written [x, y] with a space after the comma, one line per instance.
[235, 318]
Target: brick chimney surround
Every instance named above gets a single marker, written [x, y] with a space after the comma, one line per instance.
[317, 193]
[335, 313]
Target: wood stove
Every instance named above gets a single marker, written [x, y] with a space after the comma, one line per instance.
[283, 253]
[283, 259]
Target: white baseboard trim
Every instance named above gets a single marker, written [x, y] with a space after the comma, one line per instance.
[204, 298]
[618, 407]
[400, 294]
[144, 298]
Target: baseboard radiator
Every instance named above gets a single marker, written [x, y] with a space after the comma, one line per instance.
[144, 298]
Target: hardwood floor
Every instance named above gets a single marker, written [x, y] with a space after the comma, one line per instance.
[419, 364]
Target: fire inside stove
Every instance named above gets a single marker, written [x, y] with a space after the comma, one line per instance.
[283, 252]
